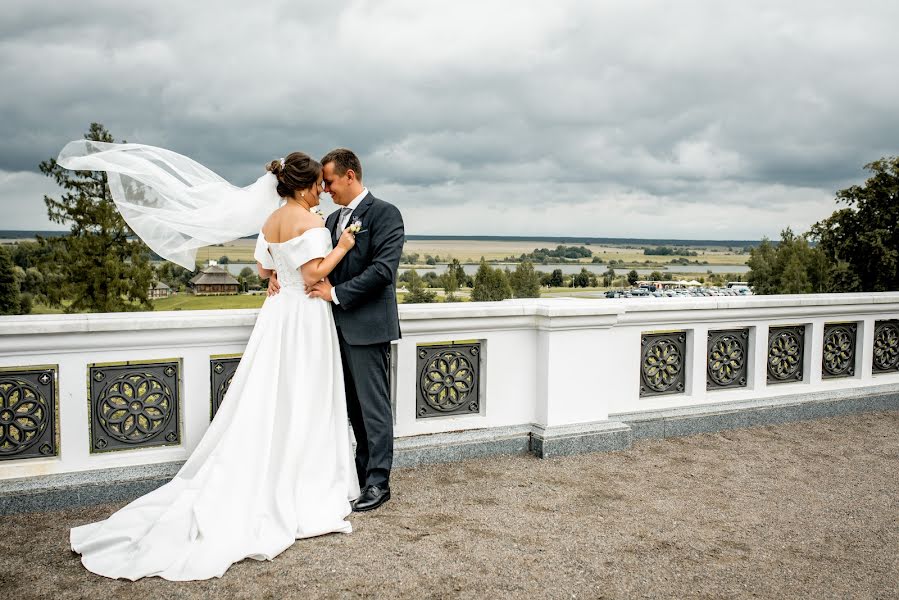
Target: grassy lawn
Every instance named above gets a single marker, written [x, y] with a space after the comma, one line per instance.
[191, 302]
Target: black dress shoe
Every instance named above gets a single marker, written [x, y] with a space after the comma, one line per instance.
[372, 497]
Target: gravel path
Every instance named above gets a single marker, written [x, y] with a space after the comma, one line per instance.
[800, 510]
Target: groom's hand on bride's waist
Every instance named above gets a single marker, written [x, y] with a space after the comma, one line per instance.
[273, 286]
[322, 289]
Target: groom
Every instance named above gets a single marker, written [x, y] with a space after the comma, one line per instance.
[362, 289]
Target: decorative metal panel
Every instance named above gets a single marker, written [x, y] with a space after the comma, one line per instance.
[448, 380]
[886, 347]
[728, 351]
[663, 363]
[134, 405]
[839, 350]
[786, 346]
[28, 409]
[222, 371]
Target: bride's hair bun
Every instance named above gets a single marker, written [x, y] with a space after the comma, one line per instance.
[274, 167]
[296, 171]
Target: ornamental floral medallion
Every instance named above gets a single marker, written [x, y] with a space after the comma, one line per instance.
[27, 412]
[785, 353]
[221, 373]
[839, 350]
[727, 356]
[134, 405]
[886, 347]
[448, 378]
[662, 366]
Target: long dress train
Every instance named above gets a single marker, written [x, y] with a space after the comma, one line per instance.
[275, 464]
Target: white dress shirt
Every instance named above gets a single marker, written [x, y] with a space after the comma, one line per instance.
[341, 225]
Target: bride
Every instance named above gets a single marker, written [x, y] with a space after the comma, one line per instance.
[276, 463]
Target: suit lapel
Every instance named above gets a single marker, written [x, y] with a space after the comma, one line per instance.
[362, 209]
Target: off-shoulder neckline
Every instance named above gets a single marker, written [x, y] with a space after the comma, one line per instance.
[262, 235]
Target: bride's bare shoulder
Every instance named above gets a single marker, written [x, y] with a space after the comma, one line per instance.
[270, 227]
[294, 223]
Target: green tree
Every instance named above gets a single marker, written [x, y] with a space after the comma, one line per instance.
[656, 276]
[608, 277]
[525, 281]
[490, 284]
[450, 283]
[456, 269]
[102, 267]
[249, 279]
[10, 294]
[792, 267]
[582, 279]
[418, 291]
[761, 276]
[632, 277]
[556, 279]
[861, 241]
[174, 276]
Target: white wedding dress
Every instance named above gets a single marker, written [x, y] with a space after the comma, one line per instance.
[276, 463]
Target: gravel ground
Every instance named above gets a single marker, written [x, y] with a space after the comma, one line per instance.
[800, 510]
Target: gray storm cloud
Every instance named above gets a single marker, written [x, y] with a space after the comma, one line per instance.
[652, 119]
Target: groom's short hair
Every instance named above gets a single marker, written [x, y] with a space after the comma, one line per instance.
[343, 159]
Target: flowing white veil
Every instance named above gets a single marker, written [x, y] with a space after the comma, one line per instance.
[174, 204]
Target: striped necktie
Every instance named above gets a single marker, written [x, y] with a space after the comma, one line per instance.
[343, 221]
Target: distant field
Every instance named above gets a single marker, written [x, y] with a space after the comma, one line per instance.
[241, 251]
[473, 250]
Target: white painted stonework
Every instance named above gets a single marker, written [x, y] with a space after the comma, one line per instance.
[546, 362]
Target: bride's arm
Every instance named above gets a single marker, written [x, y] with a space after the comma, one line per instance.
[318, 268]
[263, 272]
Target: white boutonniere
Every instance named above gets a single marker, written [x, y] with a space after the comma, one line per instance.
[317, 211]
[356, 227]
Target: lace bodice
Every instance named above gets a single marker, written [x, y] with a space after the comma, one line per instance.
[287, 257]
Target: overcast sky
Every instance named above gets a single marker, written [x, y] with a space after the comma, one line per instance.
[714, 120]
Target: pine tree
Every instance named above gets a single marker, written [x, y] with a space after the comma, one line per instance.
[525, 281]
[102, 267]
[10, 296]
[490, 284]
[418, 291]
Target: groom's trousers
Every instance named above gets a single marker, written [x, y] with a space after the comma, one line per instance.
[366, 379]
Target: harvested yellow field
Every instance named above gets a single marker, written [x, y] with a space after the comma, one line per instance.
[473, 250]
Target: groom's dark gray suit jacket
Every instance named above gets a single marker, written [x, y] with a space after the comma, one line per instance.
[365, 280]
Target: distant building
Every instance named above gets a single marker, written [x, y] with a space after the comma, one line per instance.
[159, 290]
[214, 280]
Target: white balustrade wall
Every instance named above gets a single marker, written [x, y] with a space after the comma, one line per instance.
[545, 362]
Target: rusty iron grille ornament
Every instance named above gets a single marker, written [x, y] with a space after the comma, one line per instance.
[448, 380]
[662, 363]
[727, 354]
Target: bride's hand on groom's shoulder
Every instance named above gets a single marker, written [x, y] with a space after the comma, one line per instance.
[273, 286]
